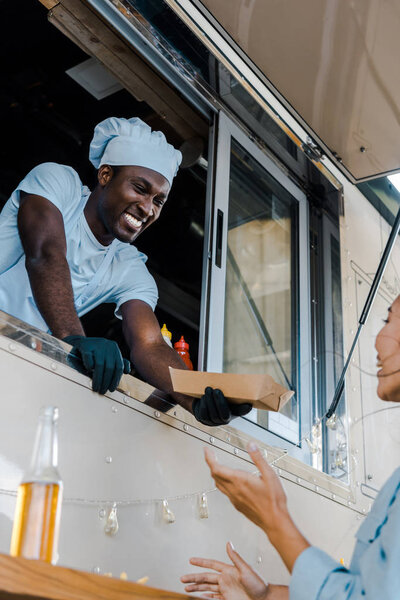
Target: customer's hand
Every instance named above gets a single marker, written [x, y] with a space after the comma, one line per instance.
[228, 582]
[214, 409]
[261, 498]
[101, 359]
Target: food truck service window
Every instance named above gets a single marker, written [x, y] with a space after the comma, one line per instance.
[259, 280]
[247, 253]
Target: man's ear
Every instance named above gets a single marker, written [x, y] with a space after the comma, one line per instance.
[104, 175]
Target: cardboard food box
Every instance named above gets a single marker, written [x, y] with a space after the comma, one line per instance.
[262, 391]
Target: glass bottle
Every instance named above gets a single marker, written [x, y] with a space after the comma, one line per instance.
[38, 510]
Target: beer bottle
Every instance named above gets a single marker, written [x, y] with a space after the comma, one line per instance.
[38, 510]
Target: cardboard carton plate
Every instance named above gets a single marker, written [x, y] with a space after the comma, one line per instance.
[262, 391]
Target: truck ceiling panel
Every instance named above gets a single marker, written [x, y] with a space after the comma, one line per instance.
[335, 63]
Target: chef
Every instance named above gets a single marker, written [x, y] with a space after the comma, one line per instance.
[65, 249]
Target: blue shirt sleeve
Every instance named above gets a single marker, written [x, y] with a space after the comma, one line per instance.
[317, 577]
[135, 281]
[57, 183]
[146, 291]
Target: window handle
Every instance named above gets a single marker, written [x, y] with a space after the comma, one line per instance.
[220, 230]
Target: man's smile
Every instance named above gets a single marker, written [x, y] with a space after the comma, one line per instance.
[132, 221]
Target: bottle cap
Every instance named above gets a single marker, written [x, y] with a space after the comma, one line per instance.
[181, 345]
[49, 412]
[164, 331]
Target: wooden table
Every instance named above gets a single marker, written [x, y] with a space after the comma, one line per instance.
[22, 579]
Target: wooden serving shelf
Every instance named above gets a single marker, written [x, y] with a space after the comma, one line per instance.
[22, 579]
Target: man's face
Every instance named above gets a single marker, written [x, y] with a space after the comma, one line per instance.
[388, 347]
[131, 200]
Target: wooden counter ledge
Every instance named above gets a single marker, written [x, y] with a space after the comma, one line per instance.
[22, 579]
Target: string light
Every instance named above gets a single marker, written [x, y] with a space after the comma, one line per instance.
[316, 429]
[203, 506]
[339, 461]
[331, 423]
[111, 527]
[167, 513]
[312, 446]
[354, 458]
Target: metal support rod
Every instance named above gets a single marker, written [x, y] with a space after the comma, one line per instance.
[365, 312]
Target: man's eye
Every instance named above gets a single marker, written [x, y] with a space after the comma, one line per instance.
[139, 189]
[158, 201]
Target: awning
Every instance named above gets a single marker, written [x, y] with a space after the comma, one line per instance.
[336, 63]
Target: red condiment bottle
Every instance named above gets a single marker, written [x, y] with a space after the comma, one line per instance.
[182, 349]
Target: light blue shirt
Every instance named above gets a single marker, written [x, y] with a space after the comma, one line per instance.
[114, 273]
[374, 572]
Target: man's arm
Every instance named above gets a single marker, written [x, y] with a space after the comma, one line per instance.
[41, 229]
[148, 350]
[152, 357]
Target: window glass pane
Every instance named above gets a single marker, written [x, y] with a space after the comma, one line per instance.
[173, 35]
[260, 308]
[180, 46]
[239, 99]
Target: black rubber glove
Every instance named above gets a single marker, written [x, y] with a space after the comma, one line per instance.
[214, 409]
[102, 360]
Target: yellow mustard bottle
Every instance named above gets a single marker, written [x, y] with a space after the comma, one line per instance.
[167, 335]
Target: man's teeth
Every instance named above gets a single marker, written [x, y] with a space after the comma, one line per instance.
[132, 220]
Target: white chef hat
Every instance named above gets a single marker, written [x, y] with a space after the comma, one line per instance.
[123, 142]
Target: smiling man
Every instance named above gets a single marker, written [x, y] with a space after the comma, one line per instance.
[65, 250]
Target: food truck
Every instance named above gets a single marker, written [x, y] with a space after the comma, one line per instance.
[287, 117]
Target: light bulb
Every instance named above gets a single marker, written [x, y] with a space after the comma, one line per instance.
[168, 515]
[111, 527]
[316, 429]
[203, 506]
[312, 446]
[354, 457]
[339, 461]
[331, 423]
